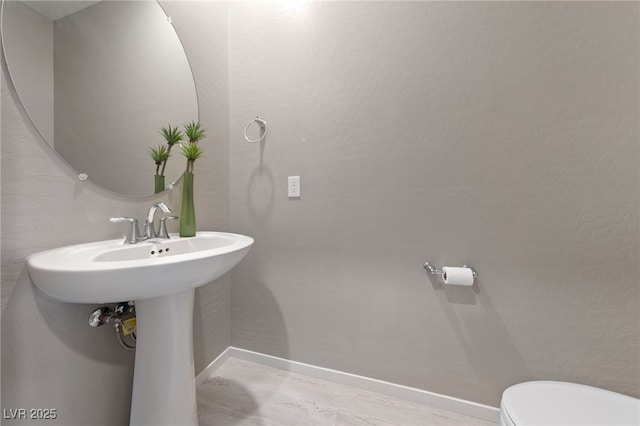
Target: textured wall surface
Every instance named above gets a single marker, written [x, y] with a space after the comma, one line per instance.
[50, 357]
[504, 135]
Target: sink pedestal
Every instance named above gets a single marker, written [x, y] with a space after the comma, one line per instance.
[160, 275]
[164, 388]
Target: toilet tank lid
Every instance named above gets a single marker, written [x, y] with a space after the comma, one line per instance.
[568, 404]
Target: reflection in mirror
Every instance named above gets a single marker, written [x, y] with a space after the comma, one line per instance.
[99, 81]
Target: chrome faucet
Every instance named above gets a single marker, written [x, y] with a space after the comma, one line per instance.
[134, 235]
[149, 230]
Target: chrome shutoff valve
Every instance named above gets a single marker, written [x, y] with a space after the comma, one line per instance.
[100, 316]
[123, 318]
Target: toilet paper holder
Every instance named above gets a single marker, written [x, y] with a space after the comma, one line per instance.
[433, 271]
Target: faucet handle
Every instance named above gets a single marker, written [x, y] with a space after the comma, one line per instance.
[162, 233]
[134, 231]
[165, 209]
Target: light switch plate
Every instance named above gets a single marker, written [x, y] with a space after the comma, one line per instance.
[294, 187]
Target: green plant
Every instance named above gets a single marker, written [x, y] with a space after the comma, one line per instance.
[172, 135]
[193, 131]
[159, 155]
[192, 152]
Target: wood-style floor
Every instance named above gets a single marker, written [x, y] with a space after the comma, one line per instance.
[245, 393]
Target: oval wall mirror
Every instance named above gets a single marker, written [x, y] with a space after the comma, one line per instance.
[99, 80]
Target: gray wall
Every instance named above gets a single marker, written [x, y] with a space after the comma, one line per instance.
[50, 357]
[504, 135]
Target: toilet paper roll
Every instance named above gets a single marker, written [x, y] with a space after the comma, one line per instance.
[457, 276]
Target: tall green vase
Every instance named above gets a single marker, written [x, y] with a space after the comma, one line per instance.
[159, 180]
[188, 213]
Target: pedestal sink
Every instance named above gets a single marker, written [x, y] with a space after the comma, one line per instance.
[160, 275]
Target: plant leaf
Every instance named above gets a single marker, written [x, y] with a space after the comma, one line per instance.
[193, 131]
[159, 154]
[172, 135]
[192, 151]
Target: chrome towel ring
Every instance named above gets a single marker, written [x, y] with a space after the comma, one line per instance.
[263, 129]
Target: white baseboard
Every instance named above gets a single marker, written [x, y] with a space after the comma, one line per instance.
[445, 402]
[202, 376]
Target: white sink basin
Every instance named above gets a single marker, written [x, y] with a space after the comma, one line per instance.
[160, 276]
[112, 271]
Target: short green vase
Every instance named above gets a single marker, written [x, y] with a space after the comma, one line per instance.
[188, 213]
[159, 181]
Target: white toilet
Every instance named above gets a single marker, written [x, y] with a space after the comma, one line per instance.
[546, 403]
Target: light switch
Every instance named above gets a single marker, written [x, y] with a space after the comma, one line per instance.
[294, 187]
